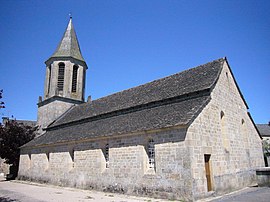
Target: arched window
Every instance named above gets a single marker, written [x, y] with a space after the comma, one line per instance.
[61, 75]
[74, 78]
[222, 121]
[151, 153]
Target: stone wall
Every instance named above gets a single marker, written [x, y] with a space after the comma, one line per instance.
[224, 131]
[50, 112]
[84, 165]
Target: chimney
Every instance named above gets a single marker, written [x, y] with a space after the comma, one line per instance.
[39, 99]
[89, 99]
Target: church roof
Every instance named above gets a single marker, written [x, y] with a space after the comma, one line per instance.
[175, 100]
[264, 129]
[183, 83]
[69, 45]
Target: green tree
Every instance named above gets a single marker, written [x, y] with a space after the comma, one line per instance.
[2, 104]
[12, 136]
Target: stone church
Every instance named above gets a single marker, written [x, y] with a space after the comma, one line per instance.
[186, 136]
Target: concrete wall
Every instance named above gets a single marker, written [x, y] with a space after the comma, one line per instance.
[128, 170]
[232, 141]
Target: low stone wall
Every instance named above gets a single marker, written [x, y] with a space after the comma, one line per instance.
[4, 168]
[263, 176]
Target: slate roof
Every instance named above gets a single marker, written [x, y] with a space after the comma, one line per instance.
[192, 80]
[69, 45]
[175, 100]
[264, 129]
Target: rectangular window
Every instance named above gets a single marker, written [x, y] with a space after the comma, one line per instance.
[151, 153]
[107, 155]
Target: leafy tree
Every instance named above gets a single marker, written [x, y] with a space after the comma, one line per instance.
[1, 102]
[12, 136]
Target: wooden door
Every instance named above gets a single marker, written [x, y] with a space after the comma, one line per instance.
[208, 171]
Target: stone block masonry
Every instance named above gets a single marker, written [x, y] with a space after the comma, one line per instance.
[217, 151]
[128, 168]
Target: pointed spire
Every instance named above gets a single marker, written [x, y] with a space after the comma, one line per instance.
[69, 45]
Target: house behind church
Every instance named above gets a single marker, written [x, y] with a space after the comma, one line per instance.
[264, 130]
[184, 136]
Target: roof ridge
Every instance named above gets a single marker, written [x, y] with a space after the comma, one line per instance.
[155, 80]
[190, 81]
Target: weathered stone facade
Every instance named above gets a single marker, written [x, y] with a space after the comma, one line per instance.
[51, 109]
[128, 170]
[223, 131]
[235, 154]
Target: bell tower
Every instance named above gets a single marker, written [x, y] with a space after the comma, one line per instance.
[65, 79]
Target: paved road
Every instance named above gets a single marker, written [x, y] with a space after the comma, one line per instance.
[18, 191]
[251, 194]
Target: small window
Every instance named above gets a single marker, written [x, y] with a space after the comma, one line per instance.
[244, 132]
[48, 156]
[222, 115]
[106, 154]
[61, 76]
[71, 153]
[151, 153]
[74, 78]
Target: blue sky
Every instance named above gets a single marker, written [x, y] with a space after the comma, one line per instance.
[130, 42]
